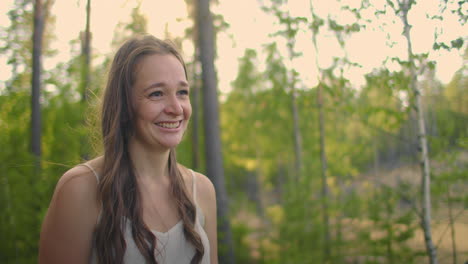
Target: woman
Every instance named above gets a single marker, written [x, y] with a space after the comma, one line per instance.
[136, 204]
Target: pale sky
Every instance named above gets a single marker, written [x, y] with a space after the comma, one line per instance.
[250, 28]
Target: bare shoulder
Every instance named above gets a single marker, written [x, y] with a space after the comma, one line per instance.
[78, 178]
[78, 186]
[205, 187]
[206, 198]
[76, 191]
[67, 228]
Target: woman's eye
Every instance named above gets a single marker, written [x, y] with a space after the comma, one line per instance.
[183, 92]
[155, 94]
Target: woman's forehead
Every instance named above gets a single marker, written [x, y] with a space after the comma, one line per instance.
[159, 69]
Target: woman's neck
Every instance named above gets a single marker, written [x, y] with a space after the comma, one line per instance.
[150, 164]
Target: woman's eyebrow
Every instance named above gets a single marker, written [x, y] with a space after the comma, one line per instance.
[183, 84]
[162, 84]
[154, 85]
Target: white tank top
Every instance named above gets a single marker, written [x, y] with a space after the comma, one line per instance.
[171, 246]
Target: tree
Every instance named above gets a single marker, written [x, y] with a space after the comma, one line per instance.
[16, 43]
[241, 119]
[214, 161]
[25, 42]
[401, 9]
[138, 24]
[291, 28]
[194, 71]
[316, 23]
[39, 19]
[86, 56]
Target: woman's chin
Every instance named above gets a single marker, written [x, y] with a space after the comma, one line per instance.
[169, 144]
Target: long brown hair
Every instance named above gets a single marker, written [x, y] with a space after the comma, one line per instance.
[118, 189]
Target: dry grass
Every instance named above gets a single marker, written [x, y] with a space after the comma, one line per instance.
[409, 174]
[442, 237]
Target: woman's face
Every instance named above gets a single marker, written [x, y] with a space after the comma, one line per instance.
[161, 101]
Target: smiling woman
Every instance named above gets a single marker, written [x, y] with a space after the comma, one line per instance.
[161, 102]
[136, 204]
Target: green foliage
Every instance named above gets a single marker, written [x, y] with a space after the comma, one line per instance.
[454, 44]
[392, 228]
[240, 232]
[138, 24]
[17, 176]
[372, 219]
[27, 191]
[370, 222]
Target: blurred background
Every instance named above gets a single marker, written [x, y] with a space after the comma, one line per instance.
[343, 124]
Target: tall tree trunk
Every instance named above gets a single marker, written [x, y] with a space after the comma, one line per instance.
[296, 128]
[404, 7]
[257, 181]
[296, 133]
[323, 155]
[86, 56]
[292, 80]
[323, 162]
[214, 160]
[452, 225]
[85, 85]
[195, 95]
[38, 33]
[195, 114]
[195, 84]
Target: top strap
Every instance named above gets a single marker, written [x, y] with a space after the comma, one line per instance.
[194, 189]
[200, 218]
[92, 169]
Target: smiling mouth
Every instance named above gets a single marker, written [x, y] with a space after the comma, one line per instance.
[169, 124]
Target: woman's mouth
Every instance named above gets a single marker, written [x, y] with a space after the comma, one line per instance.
[169, 124]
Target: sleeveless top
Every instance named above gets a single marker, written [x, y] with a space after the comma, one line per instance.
[171, 246]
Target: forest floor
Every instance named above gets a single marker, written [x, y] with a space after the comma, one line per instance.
[441, 231]
[409, 174]
[442, 237]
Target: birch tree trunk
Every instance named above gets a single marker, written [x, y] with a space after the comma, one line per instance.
[297, 134]
[214, 160]
[38, 33]
[323, 162]
[296, 131]
[452, 225]
[292, 80]
[323, 155]
[404, 6]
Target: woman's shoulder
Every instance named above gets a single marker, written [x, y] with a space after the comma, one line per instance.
[71, 217]
[204, 185]
[81, 176]
[206, 199]
[202, 182]
[75, 193]
[205, 190]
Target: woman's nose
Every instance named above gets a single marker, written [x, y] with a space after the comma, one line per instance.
[173, 105]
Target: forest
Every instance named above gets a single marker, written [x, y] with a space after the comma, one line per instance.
[316, 157]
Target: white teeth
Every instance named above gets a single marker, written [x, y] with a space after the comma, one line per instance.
[168, 125]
